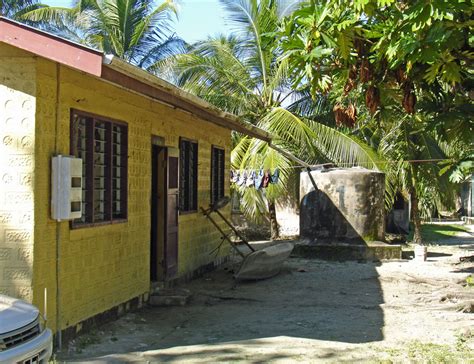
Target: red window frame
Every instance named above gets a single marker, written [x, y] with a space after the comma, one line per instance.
[217, 173]
[102, 143]
[188, 175]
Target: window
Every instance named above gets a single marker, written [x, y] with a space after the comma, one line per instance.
[102, 145]
[188, 159]
[217, 174]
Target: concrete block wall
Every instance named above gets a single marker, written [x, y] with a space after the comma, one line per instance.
[17, 166]
[101, 267]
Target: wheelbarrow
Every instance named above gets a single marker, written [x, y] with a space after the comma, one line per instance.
[258, 264]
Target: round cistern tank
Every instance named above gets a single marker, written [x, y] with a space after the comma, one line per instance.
[347, 207]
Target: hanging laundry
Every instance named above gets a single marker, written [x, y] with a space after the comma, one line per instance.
[266, 178]
[251, 179]
[275, 176]
[259, 180]
[235, 176]
[242, 178]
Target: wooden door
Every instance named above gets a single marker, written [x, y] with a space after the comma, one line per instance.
[172, 193]
[158, 216]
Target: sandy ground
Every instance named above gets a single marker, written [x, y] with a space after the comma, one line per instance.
[314, 311]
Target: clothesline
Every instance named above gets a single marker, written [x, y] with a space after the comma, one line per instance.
[358, 164]
[258, 179]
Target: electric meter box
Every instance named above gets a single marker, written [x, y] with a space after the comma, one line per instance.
[66, 188]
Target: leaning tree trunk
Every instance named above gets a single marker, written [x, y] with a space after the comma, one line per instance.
[415, 214]
[274, 228]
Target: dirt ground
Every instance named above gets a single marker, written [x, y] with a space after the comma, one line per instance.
[314, 311]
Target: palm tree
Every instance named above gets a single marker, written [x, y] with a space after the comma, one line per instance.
[243, 74]
[412, 147]
[16, 9]
[134, 30]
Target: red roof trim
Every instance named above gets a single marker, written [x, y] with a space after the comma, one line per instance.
[51, 47]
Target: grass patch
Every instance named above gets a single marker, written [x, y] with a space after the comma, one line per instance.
[470, 280]
[438, 354]
[437, 232]
[429, 353]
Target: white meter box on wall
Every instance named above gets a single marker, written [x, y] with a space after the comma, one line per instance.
[66, 188]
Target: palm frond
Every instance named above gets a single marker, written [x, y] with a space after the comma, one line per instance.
[336, 146]
[155, 58]
[55, 15]
[253, 155]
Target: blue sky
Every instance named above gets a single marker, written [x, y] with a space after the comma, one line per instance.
[197, 18]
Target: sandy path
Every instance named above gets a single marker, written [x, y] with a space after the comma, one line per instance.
[314, 311]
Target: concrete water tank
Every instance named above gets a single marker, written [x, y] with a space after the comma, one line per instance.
[348, 206]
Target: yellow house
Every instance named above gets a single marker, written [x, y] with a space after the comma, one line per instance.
[151, 155]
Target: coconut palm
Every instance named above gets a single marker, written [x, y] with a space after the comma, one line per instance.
[242, 74]
[16, 9]
[134, 30]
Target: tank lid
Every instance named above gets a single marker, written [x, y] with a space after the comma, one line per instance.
[341, 170]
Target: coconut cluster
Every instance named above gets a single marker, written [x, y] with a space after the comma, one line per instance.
[345, 116]
[363, 72]
[372, 99]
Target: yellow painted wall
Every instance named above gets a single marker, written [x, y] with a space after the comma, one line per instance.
[101, 267]
[17, 143]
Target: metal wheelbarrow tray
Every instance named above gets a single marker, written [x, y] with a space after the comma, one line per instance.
[264, 263]
[258, 264]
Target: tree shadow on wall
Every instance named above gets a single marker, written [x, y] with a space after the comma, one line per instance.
[322, 222]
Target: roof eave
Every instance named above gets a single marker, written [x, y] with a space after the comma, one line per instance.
[50, 47]
[117, 71]
[177, 97]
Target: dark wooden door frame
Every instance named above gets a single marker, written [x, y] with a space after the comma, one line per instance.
[164, 212]
[155, 256]
[171, 230]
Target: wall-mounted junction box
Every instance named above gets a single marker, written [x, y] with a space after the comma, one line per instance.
[66, 188]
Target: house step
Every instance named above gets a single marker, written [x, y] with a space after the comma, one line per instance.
[156, 286]
[170, 297]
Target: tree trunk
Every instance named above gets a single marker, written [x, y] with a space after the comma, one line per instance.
[274, 228]
[415, 215]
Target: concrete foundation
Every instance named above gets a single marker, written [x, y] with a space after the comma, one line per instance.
[348, 206]
[372, 251]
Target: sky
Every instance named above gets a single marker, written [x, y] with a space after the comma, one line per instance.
[197, 18]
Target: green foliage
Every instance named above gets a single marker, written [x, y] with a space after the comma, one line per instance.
[434, 233]
[470, 281]
[418, 58]
[244, 74]
[134, 30]
[404, 67]
[429, 40]
[430, 353]
[16, 9]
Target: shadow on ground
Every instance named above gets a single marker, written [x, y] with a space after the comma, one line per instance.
[314, 309]
[314, 300]
[310, 299]
[277, 349]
